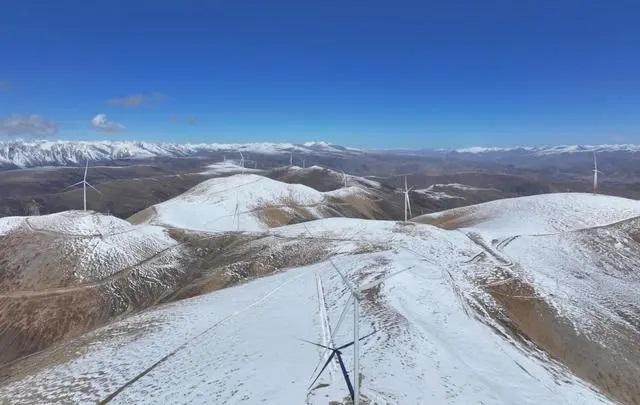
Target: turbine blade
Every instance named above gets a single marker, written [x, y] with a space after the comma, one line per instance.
[86, 167]
[409, 206]
[73, 185]
[345, 374]
[95, 189]
[351, 343]
[316, 344]
[344, 312]
[323, 368]
[383, 279]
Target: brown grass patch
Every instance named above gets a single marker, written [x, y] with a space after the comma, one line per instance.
[454, 219]
[614, 370]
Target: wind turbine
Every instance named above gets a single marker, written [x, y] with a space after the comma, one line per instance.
[336, 352]
[356, 295]
[407, 200]
[290, 158]
[595, 174]
[84, 185]
[241, 160]
[344, 179]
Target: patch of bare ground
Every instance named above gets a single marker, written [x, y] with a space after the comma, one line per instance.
[30, 260]
[32, 323]
[143, 216]
[612, 368]
[228, 260]
[359, 206]
[455, 219]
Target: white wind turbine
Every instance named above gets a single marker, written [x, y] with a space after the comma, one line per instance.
[595, 174]
[356, 296]
[241, 160]
[84, 186]
[407, 200]
[344, 179]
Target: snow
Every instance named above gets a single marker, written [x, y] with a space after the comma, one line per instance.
[550, 150]
[228, 167]
[99, 245]
[436, 195]
[8, 224]
[47, 152]
[236, 203]
[542, 214]
[604, 285]
[242, 344]
[232, 203]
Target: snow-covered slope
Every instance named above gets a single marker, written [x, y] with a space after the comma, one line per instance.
[61, 153]
[550, 150]
[538, 214]
[242, 344]
[72, 247]
[227, 167]
[243, 202]
[482, 313]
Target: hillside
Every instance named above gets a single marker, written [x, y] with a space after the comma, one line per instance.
[537, 214]
[241, 344]
[64, 274]
[524, 300]
[249, 202]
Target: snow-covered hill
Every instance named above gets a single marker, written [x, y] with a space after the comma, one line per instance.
[242, 344]
[529, 300]
[537, 214]
[20, 153]
[72, 247]
[68, 273]
[247, 202]
[549, 150]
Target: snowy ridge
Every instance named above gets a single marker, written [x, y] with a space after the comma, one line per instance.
[61, 153]
[538, 214]
[241, 345]
[239, 203]
[549, 150]
[84, 246]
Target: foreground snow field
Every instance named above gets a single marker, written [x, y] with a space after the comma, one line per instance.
[241, 344]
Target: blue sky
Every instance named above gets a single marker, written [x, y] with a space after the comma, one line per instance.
[373, 74]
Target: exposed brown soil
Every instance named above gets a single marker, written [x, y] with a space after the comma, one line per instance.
[143, 216]
[227, 260]
[456, 219]
[614, 369]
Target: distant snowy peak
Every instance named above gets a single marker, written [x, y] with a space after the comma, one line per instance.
[550, 150]
[18, 153]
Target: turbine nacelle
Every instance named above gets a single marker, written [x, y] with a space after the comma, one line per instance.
[84, 184]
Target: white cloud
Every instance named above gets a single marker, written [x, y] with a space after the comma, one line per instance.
[32, 124]
[102, 123]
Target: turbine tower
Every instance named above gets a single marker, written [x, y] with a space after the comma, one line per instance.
[337, 352]
[241, 160]
[344, 179]
[407, 201]
[84, 186]
[356, 295]
[595, 174]
[290, 158]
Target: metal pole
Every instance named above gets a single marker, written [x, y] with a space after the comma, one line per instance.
[84, 190]
[356, 350]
